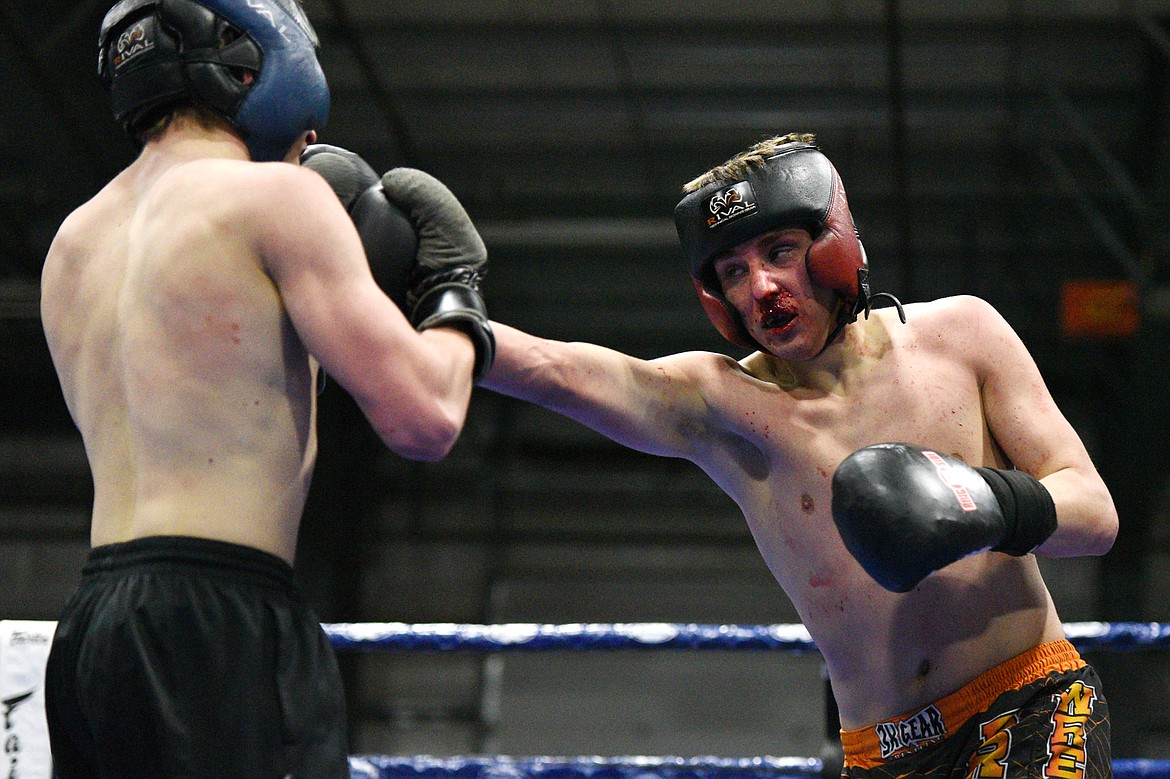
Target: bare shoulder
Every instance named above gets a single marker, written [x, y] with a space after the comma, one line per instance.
[75, 241]
[252, 189]
[63, 260]
[951, 322]
[71, 234]
[967, 329]
[104, 208]
[955, 311]
[288, 211]
[719, 380]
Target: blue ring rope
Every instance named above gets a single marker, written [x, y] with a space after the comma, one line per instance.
[504, 767]
[444, 637]
[588, 767]
[447, 637]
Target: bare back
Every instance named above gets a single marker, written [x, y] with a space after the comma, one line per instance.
[178, 361]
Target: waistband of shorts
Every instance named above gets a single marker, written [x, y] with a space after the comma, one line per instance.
[863, 747]
[205, 554]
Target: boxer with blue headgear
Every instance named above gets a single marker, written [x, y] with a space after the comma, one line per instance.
[190, 308]
[253, 62]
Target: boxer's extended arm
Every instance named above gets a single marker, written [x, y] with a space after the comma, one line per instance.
[645, 405]
[414, 388]
[1027, 424]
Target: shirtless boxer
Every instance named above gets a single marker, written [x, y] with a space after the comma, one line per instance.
[189, 307]
[945, 658]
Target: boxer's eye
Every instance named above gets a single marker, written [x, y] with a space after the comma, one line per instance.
[730, 271]
[782, 252]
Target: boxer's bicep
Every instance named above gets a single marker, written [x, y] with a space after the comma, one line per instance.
[1027, 424]
[357, 334]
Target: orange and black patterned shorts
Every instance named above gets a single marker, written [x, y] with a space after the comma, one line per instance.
[1041, 714]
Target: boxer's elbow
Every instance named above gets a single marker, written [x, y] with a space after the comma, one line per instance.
[426, 448]
[1087, 522]
[427, 433]
[1098, 520]
[1103, 529]
[1088, 532]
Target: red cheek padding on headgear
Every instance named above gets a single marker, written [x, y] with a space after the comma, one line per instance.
[728, 324]
[836, 255]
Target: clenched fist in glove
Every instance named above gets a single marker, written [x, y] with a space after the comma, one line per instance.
[386, 232]
[905, 512]
[423, 249]
[444, 285]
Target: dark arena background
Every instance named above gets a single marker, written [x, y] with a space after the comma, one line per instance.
[1018, 150]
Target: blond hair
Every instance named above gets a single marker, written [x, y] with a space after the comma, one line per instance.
[737, 167]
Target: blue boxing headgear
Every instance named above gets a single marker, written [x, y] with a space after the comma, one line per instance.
[253, 62]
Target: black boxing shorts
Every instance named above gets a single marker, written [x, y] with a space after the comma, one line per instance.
[1040, 714]
[195, 658]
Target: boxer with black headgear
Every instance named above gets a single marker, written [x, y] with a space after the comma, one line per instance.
[189, 308]
[900, 468]
[774, 185]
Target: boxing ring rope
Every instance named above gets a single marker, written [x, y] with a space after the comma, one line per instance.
[533, 637]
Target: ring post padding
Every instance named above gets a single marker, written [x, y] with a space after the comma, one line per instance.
[24, 734]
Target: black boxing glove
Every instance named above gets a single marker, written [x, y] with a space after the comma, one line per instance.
[444, 286]
[386, 232]
[904, 512]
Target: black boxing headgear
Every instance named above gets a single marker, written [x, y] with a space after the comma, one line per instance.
[253, 62]
[796, 186]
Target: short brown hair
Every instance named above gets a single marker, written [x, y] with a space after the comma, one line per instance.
[156, 125]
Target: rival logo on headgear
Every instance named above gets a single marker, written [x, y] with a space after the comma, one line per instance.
[131, 43]
[262, 10]
[731, 203]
